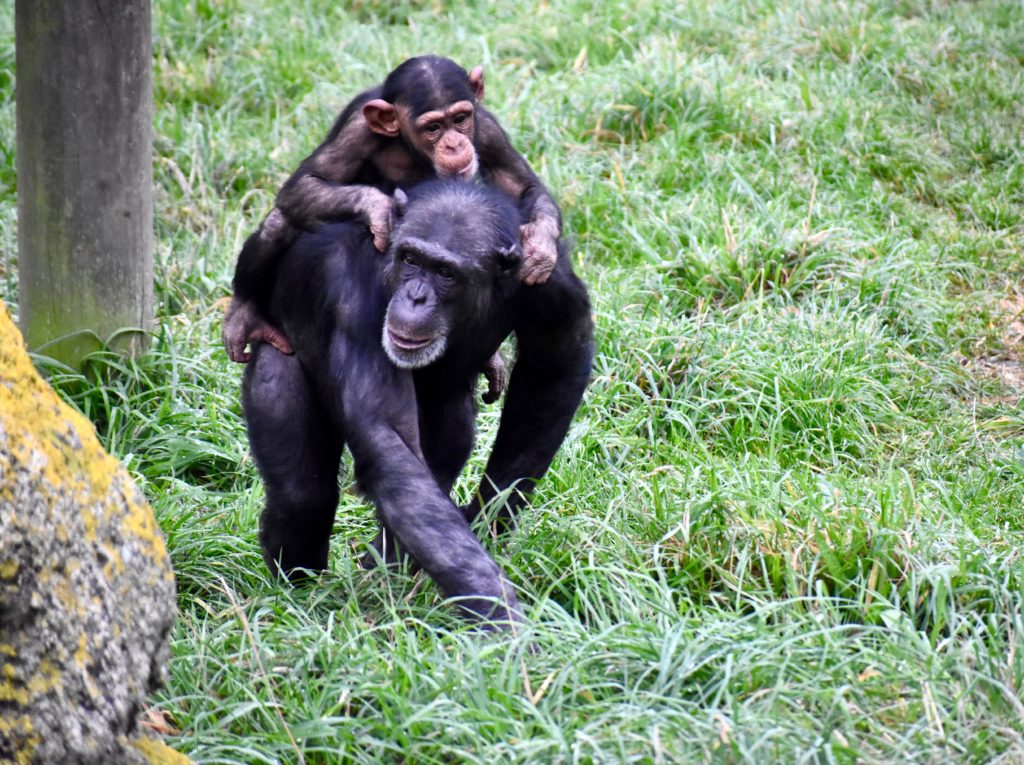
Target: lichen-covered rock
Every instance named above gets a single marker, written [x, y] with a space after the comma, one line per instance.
[86, 588]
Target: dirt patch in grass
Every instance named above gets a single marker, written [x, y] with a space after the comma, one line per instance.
[1006, 363]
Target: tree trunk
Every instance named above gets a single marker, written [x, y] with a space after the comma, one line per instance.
[84, 159]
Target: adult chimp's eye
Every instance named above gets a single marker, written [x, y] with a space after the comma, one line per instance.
[409, 260]
[445, 273]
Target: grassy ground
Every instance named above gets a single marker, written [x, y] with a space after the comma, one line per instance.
[787, 524]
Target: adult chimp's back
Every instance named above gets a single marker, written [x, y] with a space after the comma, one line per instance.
[387, 356]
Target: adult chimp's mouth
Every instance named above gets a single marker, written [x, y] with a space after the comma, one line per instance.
[408, 343]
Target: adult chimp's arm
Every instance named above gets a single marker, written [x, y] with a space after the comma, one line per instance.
[429, 527]
[554, 333]
[378, 402]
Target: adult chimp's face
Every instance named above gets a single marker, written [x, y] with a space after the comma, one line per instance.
[428, 283]
[445, 263]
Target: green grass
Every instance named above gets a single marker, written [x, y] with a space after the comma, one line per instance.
[786, 525]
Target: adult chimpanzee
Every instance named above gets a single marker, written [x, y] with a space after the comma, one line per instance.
[386, 357]
[425, 121]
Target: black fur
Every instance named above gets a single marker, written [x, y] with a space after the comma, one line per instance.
[411, 431]
[427, 82]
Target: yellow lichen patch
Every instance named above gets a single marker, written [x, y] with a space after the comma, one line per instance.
[59, 449]
[61, 444]
[13, 689]
[9, 569]
[82, 653]
[13, 692]
[55, 585]
[64, 591]
[89, 520]
[114, 566]
[60, 531]
[158, 753]
[45, 679]
[19, 730]
[138, 523]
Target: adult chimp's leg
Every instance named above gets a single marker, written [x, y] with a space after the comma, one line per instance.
[554, 334]
[297, 452]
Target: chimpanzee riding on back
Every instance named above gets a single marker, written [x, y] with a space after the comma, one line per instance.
[386, 355]
[425, 121]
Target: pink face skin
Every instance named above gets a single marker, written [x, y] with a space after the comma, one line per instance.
[448, 136]
[445, 135]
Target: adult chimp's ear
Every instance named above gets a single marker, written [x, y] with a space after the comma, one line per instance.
[401, 203]
[509, 259]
